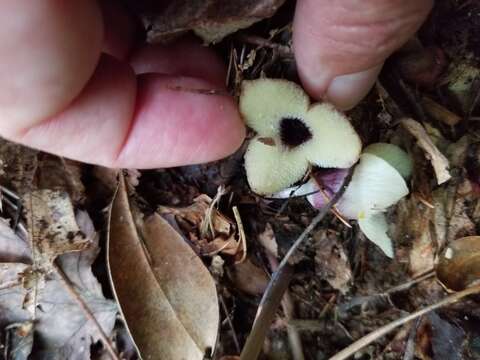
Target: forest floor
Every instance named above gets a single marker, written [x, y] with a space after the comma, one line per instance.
[54, 279]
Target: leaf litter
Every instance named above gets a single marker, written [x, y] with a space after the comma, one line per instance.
[343, 291]
[166, 295]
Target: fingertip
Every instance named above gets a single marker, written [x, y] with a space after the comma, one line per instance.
[346, 91]
[94, 126]
[338, 45]
[177, 123]
[49, 50]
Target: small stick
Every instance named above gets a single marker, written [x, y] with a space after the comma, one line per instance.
[241, 234]
[283, 50]
[279, 283]
[410, 346]
[87, 312]
[334, 210]
[287, 305]
[407, 285]
[375, 335]
[266, 313]
[9, 192]
[316, 220]
[230, 323]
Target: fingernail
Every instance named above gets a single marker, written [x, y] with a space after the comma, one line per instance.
[346, 91]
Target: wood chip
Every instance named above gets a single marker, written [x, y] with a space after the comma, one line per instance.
[439, 112]
[439, 161]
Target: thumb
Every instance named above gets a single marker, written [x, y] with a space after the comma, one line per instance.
[340, 46]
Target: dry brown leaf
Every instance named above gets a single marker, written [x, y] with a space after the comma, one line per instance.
[268, 241]
[461, 77]
[167, 296]
[18, 165]
[52, 227]
[61, 328]
[23, 169]
[12, 247]
[248, 277]
[212, 20]
[413, 225]
[331, 261]
[438, 160]
[439, 112]
[452, 220]
[192, 217]
[56, 173]
[20, 336]
[209, 230]
[459, 264]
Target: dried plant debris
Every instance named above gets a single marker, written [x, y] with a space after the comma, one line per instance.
[12, 246]
[459, 263]
[207, 228]
[332, 262]
[18, 166]
[52, 226]
[415, 192]
[439, 161]
[212, 20]
[61, 329]
[166, 295]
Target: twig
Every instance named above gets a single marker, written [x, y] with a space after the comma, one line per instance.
[375, 335]
[241, 234]
[279, 283]
[316, 220]
[207, 222]
[283, 50]
[386, 293]
[293, 333]
[407, 285]
[230, 323]
[409, 352]
[87, 312]
[33, 247]
[334, 210]
[287, 305]
[9, 192]
[266, 313]
[475, 99]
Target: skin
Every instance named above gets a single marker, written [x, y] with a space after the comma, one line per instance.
[73, 85]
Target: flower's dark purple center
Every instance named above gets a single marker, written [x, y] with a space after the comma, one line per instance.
[294, 132]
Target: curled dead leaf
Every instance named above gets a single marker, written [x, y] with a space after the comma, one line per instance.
[208, 229]
[459, 264]
[166, 295]
[212, 20]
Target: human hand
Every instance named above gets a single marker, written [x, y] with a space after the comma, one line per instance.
[59, 94]
[340, 46]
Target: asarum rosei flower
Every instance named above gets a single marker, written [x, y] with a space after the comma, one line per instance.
[378, 182]
[292, 134]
